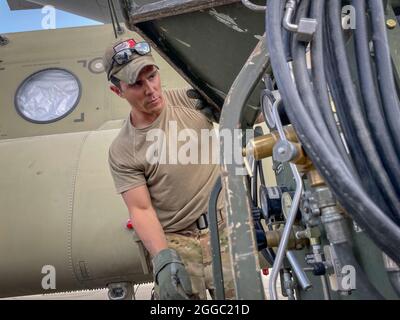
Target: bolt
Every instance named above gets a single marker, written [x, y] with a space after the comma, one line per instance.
[391, 23]
[281, 151]
[301, 234]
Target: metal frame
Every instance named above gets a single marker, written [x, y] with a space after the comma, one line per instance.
[244, 253]
[215, 246]
[280, 255]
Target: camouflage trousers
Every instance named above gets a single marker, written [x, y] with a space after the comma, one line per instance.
[194, 248]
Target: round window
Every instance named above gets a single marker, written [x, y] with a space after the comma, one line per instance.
[48, 95]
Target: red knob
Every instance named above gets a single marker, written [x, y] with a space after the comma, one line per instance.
[129, 224]
[265, 271]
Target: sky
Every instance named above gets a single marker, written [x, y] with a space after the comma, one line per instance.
[29, 20]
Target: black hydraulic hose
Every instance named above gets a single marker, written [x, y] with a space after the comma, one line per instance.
[287, 40]
[319, 78]
[364, 288]
[337, 92]
[364, 211]
[305, 88]
[355, 114]
[363, 285]
[391, 105]
[351, 136]
[372, 104]
[301, 73]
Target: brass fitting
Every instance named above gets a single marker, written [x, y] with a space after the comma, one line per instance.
[315, 241]
[274, 237]
[301, 160]
[313, 234]
[315, 178]
[261, 147]
[391, 24]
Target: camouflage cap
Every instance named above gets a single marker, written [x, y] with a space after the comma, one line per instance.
[129, 71]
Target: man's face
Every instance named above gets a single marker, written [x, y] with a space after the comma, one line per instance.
[145, 95]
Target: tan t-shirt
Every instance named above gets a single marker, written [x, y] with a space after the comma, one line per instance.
[179, 185]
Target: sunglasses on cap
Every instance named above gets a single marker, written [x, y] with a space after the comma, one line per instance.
[125, 52]
[125, 55]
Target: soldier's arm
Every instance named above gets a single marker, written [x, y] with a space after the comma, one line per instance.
[144, 219]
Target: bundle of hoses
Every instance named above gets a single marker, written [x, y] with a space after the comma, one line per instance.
[359, 155]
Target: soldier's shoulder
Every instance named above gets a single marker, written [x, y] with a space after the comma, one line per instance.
[178, 97]
[121, 141]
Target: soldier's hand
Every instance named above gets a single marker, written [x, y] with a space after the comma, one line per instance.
[171, 276]
[211, 112]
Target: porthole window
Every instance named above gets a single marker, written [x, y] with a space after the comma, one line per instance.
[48, 95]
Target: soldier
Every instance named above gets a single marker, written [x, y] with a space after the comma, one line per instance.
[167, 200]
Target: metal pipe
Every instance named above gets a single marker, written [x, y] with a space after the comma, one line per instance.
[292, 213]
[248, 4]
[112, 18]
[325, 288]
[287, 20]
[299, 272]
[317, 180]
